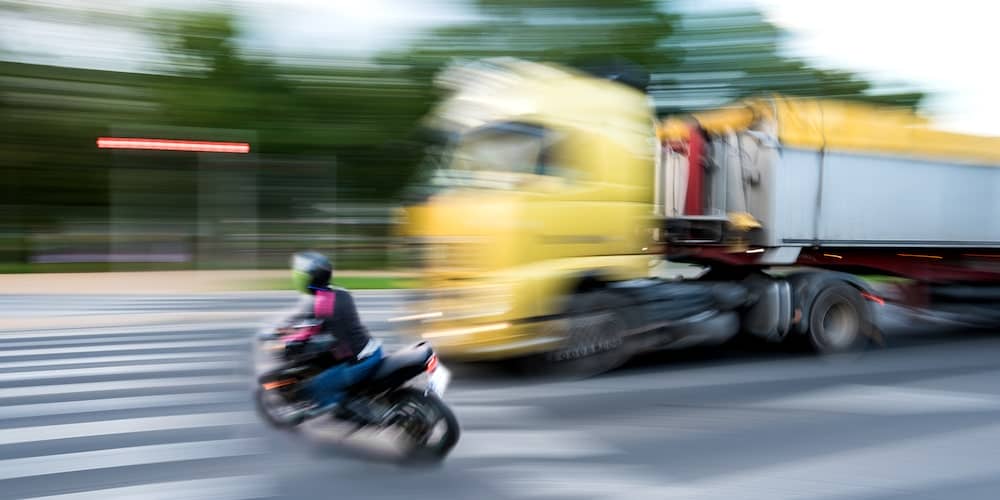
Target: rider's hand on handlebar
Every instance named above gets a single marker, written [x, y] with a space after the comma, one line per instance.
[275, 334]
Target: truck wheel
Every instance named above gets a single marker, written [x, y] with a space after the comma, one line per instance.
[839, 320]
[595, 337]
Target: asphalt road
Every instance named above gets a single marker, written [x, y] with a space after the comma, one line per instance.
[163, 411]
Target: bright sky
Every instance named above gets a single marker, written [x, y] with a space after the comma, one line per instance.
[944, 48]
[948, 48]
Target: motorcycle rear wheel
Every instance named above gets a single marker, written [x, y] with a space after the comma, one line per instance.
[428, 423]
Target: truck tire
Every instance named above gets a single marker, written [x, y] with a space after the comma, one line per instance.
[595, 331]
[839, 320]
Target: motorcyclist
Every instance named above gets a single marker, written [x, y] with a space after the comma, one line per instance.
[335, 326]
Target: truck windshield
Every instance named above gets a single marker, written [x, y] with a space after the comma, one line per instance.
[498, 156]
[512, 148]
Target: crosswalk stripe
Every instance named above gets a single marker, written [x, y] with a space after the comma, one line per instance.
[117, 385]
[113, 359]
[881, 400]
[785, 370]
[102, 366]
[228, 488]
[125, 403]
[123, 330]
[496, 415]
[581, 480]
[110, 340]
[116, 370]
[129, 456]
[868, 472]
[123, 347]
[523, 444]
[882, 469]
[122, 426]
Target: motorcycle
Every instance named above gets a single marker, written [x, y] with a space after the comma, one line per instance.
[403, 393]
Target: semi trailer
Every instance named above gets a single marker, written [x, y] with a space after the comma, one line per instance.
[557, 194]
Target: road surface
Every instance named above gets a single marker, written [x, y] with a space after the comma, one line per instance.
[162, 411]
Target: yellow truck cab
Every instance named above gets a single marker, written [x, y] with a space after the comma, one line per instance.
[544, 192]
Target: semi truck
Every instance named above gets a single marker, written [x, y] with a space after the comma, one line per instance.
[556, 196]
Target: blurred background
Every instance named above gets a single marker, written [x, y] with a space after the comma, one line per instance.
[121, 384]
[330, 95]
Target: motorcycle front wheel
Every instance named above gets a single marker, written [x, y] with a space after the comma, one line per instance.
[275, 410]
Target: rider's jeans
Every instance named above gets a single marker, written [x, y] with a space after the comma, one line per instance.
[328, 387]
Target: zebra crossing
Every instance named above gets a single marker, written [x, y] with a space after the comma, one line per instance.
[154, 411]
[231, 488]
[142, 411]
[137, 413]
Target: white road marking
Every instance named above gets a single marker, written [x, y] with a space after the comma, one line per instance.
[903, 467]
[122, 347]
[590, 481]
[524, 444]
[117, 385]
[129, 456]
[875, 400]
[119, 330]
[980, 381]
[897, 469]
[174, 337]
[34, 323]
[226, 488]
[497, 415]
[122, 426]
[126, 403]
[116, 370]
[179, 356]
[746, 373]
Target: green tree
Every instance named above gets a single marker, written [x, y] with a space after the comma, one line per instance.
[733, 54]
[560, 31]
[556, 30]
[575, 33]
[215, 84]
[696, 60]
[356, 112]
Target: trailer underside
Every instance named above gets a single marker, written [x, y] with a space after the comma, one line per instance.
[929, 265]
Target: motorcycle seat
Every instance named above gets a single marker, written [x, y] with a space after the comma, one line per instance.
[400, 366]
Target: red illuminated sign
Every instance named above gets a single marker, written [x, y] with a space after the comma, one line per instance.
[172, 145]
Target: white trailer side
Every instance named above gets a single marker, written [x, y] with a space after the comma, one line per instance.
[825, 173]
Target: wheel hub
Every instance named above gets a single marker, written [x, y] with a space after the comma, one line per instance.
[840, 325]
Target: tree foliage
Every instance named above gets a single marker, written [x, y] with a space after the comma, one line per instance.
[734, 54]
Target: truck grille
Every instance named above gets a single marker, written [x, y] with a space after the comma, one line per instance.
[451, 254]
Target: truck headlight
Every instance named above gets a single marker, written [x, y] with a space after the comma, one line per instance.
[481, 301]
[460, 332]
[464, 302]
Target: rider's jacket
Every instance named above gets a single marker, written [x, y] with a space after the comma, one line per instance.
[335, 320]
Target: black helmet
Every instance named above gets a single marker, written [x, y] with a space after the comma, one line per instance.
[310, 271]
